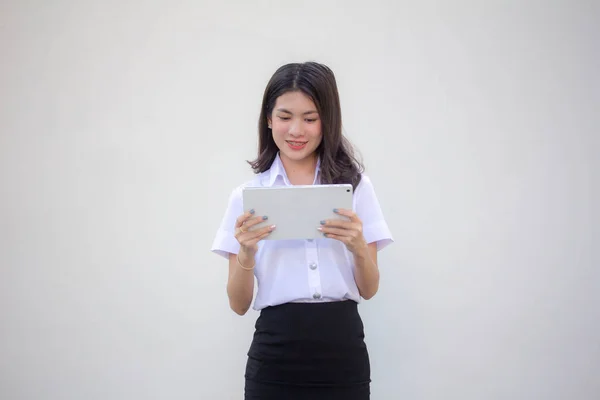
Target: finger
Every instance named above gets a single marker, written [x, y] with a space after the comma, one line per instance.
[261, 231]
[258, 235]
[347, 213]
[264, 234]
[252, 234]
[267, 229]
[254, 221]
[243, 218]
[343, 239]
[335, 231]
[339, 223]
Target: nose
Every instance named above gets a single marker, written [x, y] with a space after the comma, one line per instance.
[295, 129]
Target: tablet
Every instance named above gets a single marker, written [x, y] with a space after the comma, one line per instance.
[297, 211]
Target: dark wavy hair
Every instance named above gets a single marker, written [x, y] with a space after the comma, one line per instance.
[317, 81]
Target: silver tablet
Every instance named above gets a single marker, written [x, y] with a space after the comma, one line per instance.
[297, 211]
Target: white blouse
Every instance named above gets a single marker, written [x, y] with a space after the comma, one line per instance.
[316, 270]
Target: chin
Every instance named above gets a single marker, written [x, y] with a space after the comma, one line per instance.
[298, 155]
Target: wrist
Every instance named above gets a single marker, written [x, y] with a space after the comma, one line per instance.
[246, 257]
[361, 253]
[250, 268]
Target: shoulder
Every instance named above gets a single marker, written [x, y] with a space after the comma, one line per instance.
[256, 181]
[365, 184]
[365, 197]
[364, 179]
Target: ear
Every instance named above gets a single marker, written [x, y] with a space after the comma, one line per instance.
[269, 122]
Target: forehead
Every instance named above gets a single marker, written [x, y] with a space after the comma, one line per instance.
[295, 102]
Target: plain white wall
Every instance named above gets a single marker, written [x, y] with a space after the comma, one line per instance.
[125, 125]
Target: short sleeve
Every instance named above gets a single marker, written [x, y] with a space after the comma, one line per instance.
[366, 206]
[224, 241]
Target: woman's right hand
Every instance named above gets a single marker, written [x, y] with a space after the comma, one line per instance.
[247, 239]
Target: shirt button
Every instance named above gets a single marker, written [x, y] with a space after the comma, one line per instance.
[313, 266]
[317, 296]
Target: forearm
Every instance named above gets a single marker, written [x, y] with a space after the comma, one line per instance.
[366, 273]
[240, 285]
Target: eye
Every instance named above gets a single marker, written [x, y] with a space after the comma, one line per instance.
[311, 120]
[284, 118]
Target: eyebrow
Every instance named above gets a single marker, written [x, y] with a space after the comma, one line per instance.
[289, 112]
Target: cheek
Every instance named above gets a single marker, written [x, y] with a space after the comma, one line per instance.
[315, 131]
[278, 131]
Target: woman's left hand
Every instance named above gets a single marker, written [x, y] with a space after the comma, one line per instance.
[348, 232]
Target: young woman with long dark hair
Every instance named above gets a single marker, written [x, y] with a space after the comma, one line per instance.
[309, 337]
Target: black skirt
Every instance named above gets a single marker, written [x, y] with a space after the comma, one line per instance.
[308, 351]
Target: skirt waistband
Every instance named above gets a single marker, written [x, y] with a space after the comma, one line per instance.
[311, 321]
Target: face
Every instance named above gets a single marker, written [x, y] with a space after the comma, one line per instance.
[296, 126]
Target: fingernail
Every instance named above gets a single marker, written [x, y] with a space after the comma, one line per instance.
[322, 222]
[335, 210]
[320, 229]
[252, 211]
[325, 234]
[272, 227]
[265, 217]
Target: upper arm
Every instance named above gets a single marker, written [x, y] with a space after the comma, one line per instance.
[224, 243]
[368, 209]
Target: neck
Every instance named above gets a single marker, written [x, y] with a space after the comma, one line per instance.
[301, 172]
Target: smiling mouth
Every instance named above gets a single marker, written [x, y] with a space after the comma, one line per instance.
[297, 146]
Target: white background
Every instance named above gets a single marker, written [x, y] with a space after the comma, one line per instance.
[124, 126]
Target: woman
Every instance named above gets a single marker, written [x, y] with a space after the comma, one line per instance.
[309, 339]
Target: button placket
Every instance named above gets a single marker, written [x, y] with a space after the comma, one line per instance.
[314, 276]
